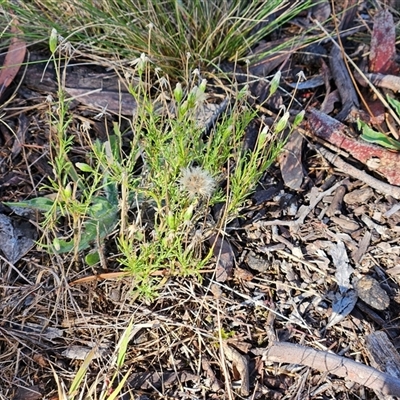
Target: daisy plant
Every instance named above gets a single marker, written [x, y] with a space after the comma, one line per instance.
[150, 197]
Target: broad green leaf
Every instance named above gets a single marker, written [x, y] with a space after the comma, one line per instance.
[371, 136]
[103, 217]
[92, 258]
[39, 203]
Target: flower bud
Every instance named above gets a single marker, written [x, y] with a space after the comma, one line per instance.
[178, 93]
[53, 40]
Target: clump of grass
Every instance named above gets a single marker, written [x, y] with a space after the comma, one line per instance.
[167, 31]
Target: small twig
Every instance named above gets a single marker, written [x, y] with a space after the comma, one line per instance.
[377, 158]
[376, 184]
[310, 265]
[339, 366]
[391, 82]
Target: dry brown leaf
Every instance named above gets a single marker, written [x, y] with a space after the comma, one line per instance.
[225, 256]
[290, 161]
[240, 364]
[14, 58]
[17, 237]
[383, 44]
[28, 393]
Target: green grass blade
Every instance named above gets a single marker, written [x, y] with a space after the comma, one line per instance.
[76, 383]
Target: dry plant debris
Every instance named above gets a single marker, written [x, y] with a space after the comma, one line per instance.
[301, 298]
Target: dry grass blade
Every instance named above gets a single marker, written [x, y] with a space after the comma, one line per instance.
[62, 395]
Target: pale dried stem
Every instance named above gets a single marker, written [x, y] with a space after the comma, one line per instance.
[339, 366]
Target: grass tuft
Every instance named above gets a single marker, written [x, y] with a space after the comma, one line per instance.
[177, 36]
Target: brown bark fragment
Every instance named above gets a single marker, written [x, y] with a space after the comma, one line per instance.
[375, 157]
[383, 353]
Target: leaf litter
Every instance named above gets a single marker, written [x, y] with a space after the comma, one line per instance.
[306, 280]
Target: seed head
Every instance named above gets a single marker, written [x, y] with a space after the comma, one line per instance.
[197, 182]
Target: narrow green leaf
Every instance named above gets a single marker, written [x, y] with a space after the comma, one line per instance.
[81, 372]
[123, 344]
[121, 384]
[394, 103]
[39, 203]
[84, 167]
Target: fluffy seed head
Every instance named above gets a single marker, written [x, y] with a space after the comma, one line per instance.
[197, 182]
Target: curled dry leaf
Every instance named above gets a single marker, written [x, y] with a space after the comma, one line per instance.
[225, 256]
[28, 393]
[213, 382]
[17, 237]
[239, 362]
[290, 161]
[82, 352]
[341, 262]
[342, 306]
